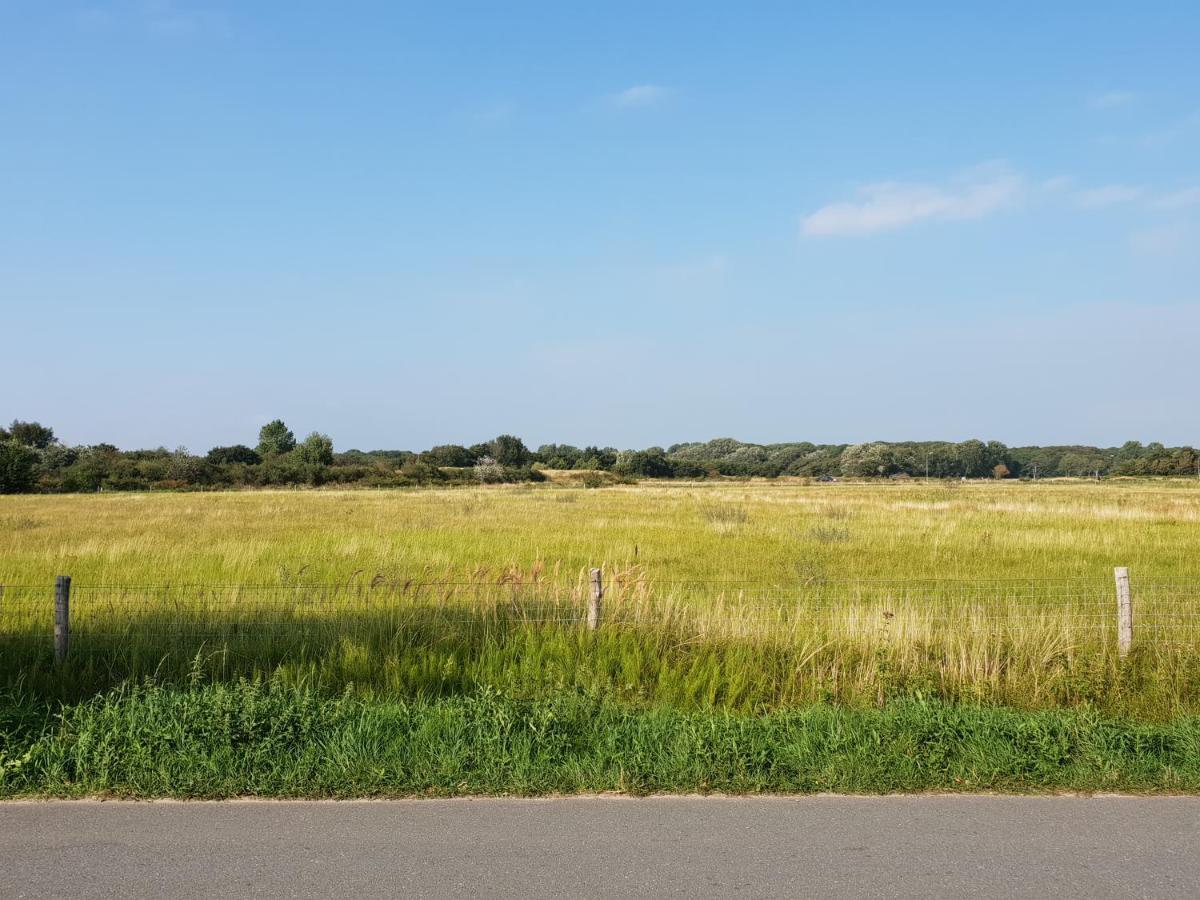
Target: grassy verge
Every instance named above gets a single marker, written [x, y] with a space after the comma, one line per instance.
[737, 659]
[274, 739]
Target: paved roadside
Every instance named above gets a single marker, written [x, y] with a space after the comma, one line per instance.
[1064, 847]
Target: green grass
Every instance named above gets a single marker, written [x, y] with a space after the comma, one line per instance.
[253, 738]
[435, 653]
[756, 637]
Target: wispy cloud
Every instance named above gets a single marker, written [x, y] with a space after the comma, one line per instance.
[1178, 199]
[1109, 195]
[163, 18]
[640, 95]
[1184, 127]
[1111, 99]
[891, 205]
[1164, 240]
[1119, 194]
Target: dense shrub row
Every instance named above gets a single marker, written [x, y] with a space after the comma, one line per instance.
[31, 459]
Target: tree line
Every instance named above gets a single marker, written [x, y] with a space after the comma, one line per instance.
[33, 459]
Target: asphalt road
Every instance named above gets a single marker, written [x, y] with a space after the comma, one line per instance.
[1059, 847]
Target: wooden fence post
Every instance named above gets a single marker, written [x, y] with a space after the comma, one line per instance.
[593, 616]
[1124, 611]
[62, 618]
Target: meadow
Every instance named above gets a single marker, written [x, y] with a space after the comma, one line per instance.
[728, 531]
[743, 599]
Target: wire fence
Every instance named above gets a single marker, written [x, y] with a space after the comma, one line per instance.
[282, 620]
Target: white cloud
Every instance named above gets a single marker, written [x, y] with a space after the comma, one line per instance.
[1108, 195]
[640, 95]
[1179, 199]
[1111, 99]
[889, 205]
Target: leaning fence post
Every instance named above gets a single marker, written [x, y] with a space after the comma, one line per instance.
[1124, 611]
[62, 617]
[593, 616]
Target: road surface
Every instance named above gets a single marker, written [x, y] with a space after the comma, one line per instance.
[1060, 847]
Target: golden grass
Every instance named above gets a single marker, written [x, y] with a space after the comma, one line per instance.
[740, 593]
[730, 531]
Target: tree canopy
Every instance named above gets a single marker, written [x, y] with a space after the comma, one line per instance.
[31, 458]
[275, 439]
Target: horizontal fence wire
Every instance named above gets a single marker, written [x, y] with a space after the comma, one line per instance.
[280, 621]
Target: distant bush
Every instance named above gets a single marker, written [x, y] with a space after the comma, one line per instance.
[652, 463]
[238, 453]
[17, 463]
[488, 471]
[279, 460]
[315, 450]
[593, 480]
[418, 472]
[450, 455]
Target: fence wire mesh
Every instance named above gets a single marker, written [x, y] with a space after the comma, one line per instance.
[281, 621]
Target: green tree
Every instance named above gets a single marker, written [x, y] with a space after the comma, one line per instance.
[94, 466]
[973, 459]
[559, 456]
[275, 439]
[238, 453]
[650, 463]
[31, 434]
[316, 450]
[448, 455]
[868, 460]
[182, 466]
[16, 467]
[597, 458]
[507, 450]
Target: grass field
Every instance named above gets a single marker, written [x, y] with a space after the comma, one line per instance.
[758, 531]
[743, 599]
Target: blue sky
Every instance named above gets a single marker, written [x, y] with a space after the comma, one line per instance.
[630, 224]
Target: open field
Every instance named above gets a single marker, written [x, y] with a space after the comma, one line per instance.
[967, 631]
[768, 532]
[747, 596]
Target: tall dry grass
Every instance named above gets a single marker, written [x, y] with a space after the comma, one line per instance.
[745, 596]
